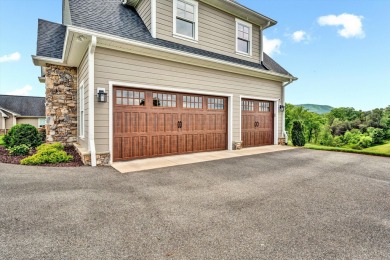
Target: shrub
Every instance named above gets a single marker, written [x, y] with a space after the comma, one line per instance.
[48, 153]
[377, 136]
[338, 141]
[352, 137]
[326, 137]
[298, 137]
[22, 134]
[19, 150]
[365, 141]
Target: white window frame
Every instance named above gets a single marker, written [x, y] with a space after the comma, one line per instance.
[196, 10]
[238, 21]
[82, 110]
[39, 121]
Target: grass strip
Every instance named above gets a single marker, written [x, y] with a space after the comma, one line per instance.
[346, 150]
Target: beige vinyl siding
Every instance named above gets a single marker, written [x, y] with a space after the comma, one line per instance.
[111, 65]
[27, 120]
[83, 77]
[144, 11]
[2, 122]
[9, 122]
[217, 30]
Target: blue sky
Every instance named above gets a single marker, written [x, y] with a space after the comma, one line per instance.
[339, 50]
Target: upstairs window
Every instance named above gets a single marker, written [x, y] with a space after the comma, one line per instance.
[243, 37]
[185, 15]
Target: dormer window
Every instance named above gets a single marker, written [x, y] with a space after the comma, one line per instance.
[243, 38]
[185, 19]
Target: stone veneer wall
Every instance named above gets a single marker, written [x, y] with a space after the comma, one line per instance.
[61, 104]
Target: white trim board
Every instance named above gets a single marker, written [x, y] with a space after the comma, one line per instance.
[276, 114]
[151, 87]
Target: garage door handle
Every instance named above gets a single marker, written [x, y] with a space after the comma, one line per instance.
[257, 124]
[179, 124]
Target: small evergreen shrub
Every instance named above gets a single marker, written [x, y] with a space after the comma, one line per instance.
[298, 137]
[19, 150]
[22, 134]
[48, 153]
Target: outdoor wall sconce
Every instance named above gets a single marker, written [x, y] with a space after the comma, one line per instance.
[281, 108]
[102, 95]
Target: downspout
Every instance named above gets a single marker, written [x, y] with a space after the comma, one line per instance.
[153, 18]
[284, 132]
[91, 100]
[262, 42]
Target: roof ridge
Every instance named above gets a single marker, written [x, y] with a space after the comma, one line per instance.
[21, 96]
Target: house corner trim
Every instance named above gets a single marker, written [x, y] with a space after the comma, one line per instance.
[91, 100]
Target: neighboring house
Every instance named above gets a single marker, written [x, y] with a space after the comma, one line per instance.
[21, 110]
[175, 76]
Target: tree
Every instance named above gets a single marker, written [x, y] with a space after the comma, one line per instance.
[298, 137]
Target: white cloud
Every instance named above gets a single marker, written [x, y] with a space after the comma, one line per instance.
[299, 36]
[271, 46]
[21, 92]
[352, 24]
[10, 57]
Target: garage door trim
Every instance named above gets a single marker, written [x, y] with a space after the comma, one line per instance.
[276, 113]
[113, 84]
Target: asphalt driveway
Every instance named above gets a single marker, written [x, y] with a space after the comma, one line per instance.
[298, 204]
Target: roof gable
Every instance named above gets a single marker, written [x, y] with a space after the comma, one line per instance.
[51, 37]
[113, 18]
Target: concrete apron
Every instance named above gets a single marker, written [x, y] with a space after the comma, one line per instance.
[174, 160]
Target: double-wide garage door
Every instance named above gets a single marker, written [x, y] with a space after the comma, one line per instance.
[257, 123]
[151, 123]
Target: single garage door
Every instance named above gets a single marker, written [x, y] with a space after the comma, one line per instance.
[151, 123]
[257, 122]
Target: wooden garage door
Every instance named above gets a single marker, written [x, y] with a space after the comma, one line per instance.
[257, 122]
[151, 123]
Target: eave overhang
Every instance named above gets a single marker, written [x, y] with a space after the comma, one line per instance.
[74, 51]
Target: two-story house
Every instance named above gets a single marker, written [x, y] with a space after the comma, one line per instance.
[145, 78]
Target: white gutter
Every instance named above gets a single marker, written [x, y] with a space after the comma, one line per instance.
[284, 132]
[91, 100]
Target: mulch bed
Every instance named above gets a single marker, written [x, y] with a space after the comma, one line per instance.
[6, 158]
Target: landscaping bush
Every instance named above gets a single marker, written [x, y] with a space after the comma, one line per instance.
[365, 141]
[338, 141]
[326, 137]
[48, 153]
[22, 134]
[19, 150]
[298, 137]
[377, 136]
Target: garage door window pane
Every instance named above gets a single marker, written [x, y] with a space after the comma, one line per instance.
[192, 102]
[130, 98]
[164, 100]
[247, 105]
[216, 103]
[264, 107]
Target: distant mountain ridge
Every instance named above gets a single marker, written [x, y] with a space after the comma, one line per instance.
[319, 109]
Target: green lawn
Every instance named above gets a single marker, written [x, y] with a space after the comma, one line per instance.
[381, 150]
[1, 140]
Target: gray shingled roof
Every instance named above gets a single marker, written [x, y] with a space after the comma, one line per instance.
[24, 105]
[51, 37]
[111, 17]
